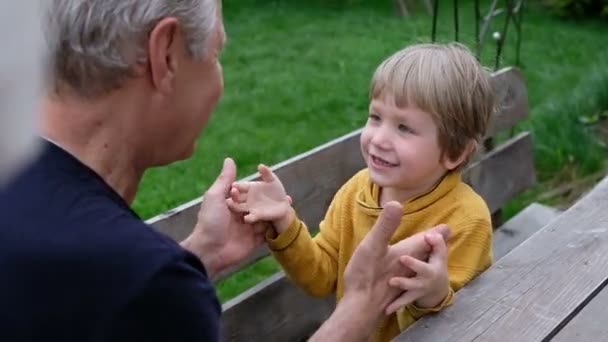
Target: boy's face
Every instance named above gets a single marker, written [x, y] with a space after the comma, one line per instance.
[400, 147]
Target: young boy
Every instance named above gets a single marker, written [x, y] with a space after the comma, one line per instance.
[430, 106]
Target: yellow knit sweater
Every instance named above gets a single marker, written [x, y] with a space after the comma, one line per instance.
[317, 264]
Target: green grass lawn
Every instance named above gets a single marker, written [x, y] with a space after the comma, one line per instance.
[297, 75]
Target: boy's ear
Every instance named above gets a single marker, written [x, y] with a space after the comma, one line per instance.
[452, 164]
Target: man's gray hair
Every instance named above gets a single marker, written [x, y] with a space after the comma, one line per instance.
[95, 44]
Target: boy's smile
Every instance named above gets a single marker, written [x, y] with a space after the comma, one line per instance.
[380, 163]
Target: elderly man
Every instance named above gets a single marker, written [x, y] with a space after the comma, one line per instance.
[132, 84]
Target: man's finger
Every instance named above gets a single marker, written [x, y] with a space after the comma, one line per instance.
[224, 181]
[237, 196]
[266, 173]
[388, 221]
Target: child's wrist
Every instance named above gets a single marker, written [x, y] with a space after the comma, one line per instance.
[283, 223]
[433, 299]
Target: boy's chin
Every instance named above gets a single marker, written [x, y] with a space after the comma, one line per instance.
[380, 180]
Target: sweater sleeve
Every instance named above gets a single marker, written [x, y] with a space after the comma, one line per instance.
[469, 254]
[312, 263]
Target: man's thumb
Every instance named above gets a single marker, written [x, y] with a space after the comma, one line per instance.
[387, 223]
[224, 181]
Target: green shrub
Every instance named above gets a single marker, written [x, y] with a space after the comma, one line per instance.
[579, 9]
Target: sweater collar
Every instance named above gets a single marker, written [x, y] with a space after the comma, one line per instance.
[368, 198]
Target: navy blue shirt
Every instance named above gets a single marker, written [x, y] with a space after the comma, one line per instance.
[77, 264]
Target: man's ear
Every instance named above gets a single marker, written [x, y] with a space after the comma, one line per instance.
[163, 51]
[452, 164]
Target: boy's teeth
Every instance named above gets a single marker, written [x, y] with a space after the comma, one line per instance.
[382, 162]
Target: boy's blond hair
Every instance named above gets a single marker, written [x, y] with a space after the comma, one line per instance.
[446, 81]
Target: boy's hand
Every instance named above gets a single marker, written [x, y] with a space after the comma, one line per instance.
[263, 200]
[430, 285]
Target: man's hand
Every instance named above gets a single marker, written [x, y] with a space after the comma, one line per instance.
[221, 238]
[263, 200]
[374, 262]
[430, 284]
[366, 278]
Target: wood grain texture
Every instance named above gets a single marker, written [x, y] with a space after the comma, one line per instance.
[530, 293]
[274, 310]
[504, 172]
[512, 100]
[523, 225]
[589, 324]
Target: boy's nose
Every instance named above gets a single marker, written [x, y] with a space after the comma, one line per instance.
[381, 139]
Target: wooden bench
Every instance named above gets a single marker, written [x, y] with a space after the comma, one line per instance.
[276, 309]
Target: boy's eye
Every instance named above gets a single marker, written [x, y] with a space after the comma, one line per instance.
[374, 117]
[405, 129]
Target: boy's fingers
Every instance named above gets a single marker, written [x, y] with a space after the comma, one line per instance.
[266, 213]
[266, 173]
[236, 207]
[405, 284]
[237, 196]
[443, 230]
[242, 187]
[440, 251]
[419, 267]
[250, 218]
[404, 299]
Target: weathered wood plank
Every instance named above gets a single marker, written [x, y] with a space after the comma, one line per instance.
[274, 310]
[522, 226]
[504, 172]
[528, 294]
[512, 100]
[589, 324]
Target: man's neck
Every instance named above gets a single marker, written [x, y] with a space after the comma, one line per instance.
[98, 136]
